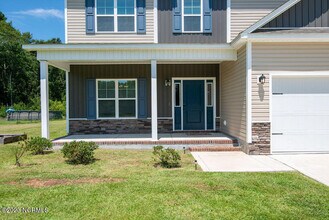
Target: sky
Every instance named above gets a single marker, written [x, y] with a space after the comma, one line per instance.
[43, 18]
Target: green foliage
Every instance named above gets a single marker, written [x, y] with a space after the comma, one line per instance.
[18, 150]
[3, 111]
[37, 145]
[19, 69]
[58, 106]
[168, 158]
[79, 152]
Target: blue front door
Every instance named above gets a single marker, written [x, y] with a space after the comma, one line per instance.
[193, 105]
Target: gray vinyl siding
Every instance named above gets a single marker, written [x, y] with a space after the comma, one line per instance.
[233, 96]
[245, 13]
[306, 13]
[273, 57]
[166, 35]
[76, 27]
[79, 74]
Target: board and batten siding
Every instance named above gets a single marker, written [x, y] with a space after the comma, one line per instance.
[245, 13]
[80, 73]
[306, 13]
[76, 27]
[219, 20]
[273, 57]
[233, 96]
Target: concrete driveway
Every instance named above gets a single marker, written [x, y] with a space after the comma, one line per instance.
[315, 166]
[237, 162]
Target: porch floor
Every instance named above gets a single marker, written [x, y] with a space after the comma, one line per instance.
[188, 138]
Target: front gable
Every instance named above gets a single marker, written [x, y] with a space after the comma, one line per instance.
[306, 13]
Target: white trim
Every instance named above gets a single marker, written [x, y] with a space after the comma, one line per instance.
[249, 92]
[287, 73]
[270, 17]
[116, 99]
[154, 100]
[77, 119]
[220, 96]
[85, 46]
[173, 98]
[65, 20]
[67, 102]
[44, 93]
[155, 22]
[205, 100]
[228, 23]
[289, 37]
[193, 15]
[115, 19]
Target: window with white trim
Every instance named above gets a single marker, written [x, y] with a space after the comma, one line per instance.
[192, 15]
[117, 98]
[116, 16]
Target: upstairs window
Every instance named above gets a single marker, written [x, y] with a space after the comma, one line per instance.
[116, 15]
[192, 15]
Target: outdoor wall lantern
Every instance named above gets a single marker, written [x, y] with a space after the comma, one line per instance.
[261, 79]
[167, 82]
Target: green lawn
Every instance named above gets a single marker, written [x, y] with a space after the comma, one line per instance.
[145, 192]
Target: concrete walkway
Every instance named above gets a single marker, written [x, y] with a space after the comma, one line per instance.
[315, 166]
[238, 162]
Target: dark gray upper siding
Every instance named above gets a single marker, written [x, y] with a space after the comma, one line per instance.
[80, 73]
[306, 13]
[166, 35]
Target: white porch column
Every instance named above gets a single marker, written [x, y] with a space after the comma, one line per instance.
[154, 102]
[44, 92]
[67, 103]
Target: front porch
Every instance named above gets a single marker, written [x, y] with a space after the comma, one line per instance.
[144, 141]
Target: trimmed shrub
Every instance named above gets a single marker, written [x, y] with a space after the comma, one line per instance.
[37, 145]
[79, 152]
[166, 157]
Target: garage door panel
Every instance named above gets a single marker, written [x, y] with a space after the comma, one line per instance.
[300, 122]
[300, 114]
[300, 103]
[293, 143]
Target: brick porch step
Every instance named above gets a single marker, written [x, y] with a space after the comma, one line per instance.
[213, 149]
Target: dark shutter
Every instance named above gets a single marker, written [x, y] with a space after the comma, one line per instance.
[91, 98]
[207, 16]
[141, 16]
[177, 16]
[142, 98]
[90, 16]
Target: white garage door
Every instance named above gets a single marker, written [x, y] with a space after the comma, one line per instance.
[300, 114]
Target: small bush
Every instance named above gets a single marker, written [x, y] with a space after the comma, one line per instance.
[18, 151]
[79, 152]
[37, 145]
[168, 158]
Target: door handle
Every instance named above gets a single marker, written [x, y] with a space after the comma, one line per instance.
[277, 133]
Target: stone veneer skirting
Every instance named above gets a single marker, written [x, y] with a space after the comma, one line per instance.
[120, 126]
[261, 139]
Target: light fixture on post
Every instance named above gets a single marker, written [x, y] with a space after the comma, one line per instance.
[167, 82]
[261, 79]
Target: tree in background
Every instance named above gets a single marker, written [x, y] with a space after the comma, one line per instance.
[19, 70]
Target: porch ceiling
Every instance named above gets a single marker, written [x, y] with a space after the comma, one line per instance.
[64, 55]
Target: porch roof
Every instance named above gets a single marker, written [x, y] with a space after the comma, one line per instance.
[64, 55]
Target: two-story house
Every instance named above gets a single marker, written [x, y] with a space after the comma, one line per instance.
[257, 70]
